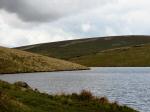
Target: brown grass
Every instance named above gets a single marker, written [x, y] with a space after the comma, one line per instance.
[86, 95]
[16, 61]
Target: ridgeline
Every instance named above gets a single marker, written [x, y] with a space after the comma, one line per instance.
[113, 51]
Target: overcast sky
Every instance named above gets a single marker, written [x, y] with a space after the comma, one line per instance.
[24, 22]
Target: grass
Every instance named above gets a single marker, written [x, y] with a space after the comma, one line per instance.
[16, 61]
[83, 47]
[135, 56]
[14, 98]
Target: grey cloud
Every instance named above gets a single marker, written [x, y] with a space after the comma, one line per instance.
[124, 17]
[26, 11]
[47, 10]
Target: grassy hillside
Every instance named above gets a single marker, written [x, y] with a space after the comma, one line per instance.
[14, 98]
[82, 47]
[136, 56]
[16, 61]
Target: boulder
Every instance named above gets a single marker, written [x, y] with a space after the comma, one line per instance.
[22, 84]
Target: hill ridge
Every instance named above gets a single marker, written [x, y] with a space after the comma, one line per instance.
[82, 47]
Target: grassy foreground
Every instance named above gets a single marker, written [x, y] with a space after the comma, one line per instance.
[135, 56]
[15, 98]
[16, 61]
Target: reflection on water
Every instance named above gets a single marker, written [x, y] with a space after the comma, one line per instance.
[130, 86]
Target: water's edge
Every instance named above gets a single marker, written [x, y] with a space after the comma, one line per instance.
[129, 85]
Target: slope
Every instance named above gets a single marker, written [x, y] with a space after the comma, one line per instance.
[135, 56]
[82, 47]
[16, 61]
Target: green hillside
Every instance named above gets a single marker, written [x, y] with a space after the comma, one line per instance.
[16, 98]
[82, 47]
[16, 61]
[135, 56]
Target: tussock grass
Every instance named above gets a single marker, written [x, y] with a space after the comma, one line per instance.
[9, 104]
[16, 61]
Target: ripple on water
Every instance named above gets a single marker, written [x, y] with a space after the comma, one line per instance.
[129, 86]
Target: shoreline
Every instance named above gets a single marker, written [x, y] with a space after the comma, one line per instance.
[20, 97]
[88, 68]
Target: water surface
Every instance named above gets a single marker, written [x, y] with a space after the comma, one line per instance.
[129, 86]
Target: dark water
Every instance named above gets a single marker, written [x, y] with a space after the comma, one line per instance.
[129, 86]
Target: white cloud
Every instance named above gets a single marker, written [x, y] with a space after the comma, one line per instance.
[86, 27]
[14, 33]
[109, 31]
[18, 37]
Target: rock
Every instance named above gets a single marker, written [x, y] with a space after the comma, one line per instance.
[36, 90]
[22, 84]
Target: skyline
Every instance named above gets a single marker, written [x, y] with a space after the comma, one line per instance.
[31, 22]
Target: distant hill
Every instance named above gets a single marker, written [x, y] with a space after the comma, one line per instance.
[83, 47]
[135, 56]
[16, 61]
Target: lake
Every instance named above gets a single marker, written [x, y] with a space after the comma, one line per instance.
[129, 86]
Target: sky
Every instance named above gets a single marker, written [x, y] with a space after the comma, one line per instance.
[25, 22]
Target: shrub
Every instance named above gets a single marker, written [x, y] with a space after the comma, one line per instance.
[74, 95]
[103, 100]
[86, 95]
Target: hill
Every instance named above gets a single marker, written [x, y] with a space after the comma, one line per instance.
[16, 98]
[135, 56]
[16, 61]
[82, 47]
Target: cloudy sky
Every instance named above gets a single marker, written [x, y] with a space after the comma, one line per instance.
[24, 22]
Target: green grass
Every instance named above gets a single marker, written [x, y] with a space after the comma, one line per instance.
[82, 47]
[14, 98]
[16, 61]
[135, 56]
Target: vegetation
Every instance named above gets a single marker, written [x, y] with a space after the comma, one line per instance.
[83, 47]
[134, 56]
[15, 98]
[116, 51]
[16, 61]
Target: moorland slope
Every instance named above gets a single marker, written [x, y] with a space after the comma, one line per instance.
[135, 56]
[17, 61]
[82, 47]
